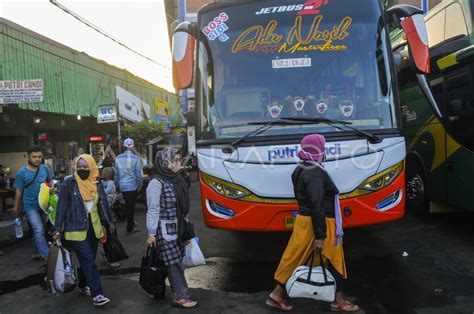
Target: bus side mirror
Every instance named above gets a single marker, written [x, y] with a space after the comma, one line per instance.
[410, 19]
[184, 43]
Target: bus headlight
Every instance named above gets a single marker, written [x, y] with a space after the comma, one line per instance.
[224, 188]
[236, 192]
[376, 182]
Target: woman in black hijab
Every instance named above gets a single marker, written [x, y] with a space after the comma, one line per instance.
[168, 203]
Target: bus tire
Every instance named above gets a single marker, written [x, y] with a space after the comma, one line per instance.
[416, 189]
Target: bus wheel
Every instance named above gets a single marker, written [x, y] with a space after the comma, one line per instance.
[417, 198]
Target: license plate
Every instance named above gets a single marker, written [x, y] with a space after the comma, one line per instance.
[289, 222]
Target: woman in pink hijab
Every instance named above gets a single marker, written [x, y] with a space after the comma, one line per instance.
[318, 226]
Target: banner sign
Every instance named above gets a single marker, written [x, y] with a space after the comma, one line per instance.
[163, 114]
[21, 92]
[131, 107]
[106, 114]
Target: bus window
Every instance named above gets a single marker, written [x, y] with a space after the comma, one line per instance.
[435, 28]
[406, 74]
[456, 28]
[460, 108]
[438, 92]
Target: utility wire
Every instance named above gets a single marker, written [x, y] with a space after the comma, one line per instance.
[155, 88]
[97, 29]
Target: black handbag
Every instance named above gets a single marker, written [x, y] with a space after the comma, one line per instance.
[153, 274]
[185, 229]
[113, 249]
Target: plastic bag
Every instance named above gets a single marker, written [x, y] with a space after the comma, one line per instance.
[47, 201]
[193, 255]
[43, 196]
[51, 211]
[113, 249]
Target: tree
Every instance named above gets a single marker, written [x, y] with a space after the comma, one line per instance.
[142, 132]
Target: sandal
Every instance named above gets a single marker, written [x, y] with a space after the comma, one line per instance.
[184, 303]
[281, 305]
[344, 306]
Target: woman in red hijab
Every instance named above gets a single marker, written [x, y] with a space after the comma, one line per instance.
[318, 226]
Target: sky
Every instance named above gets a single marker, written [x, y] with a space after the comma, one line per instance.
[140, 24]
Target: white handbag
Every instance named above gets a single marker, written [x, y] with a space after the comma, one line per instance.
[312, 282]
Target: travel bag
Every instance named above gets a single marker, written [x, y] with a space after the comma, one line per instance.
[61, 275]
[312, 282]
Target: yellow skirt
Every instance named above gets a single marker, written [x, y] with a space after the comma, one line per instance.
[301, 246]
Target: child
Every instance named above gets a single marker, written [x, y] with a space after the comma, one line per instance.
[109, 187]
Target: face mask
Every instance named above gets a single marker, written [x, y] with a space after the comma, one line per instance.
[83, 174]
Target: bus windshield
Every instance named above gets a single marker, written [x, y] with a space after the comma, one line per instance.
[278, 59]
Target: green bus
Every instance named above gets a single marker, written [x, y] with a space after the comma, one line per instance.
[439, 124]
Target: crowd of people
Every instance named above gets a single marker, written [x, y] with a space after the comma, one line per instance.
[85, 217]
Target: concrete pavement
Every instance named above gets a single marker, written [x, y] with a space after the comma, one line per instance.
[436, 277]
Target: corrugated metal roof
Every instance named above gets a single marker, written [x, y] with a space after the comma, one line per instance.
[74, 82]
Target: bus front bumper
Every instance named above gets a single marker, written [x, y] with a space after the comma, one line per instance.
[221, 212]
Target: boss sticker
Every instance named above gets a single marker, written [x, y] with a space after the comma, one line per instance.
[217, 28]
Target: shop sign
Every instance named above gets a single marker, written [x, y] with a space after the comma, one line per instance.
[162, 113]
[106, 114]
[131, 107]
[42, 136]
[21, 92]
[96, 139]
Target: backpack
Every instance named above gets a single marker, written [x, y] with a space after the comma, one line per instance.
[62, 272]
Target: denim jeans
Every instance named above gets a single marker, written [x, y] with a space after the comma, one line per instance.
[47, 226]
[178, 283]
[35, 217]
[86, 252]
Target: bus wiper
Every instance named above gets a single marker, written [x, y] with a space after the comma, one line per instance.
[373, 139]
[265, 125]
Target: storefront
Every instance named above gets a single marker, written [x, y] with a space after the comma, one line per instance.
[50, 95]
[61, 136]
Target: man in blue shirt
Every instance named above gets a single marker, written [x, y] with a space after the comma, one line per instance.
[128, 177]
[27, 185]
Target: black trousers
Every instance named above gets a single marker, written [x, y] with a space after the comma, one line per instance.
[337, 277]
[130, 198]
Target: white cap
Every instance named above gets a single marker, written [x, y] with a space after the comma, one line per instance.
[128, 143]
